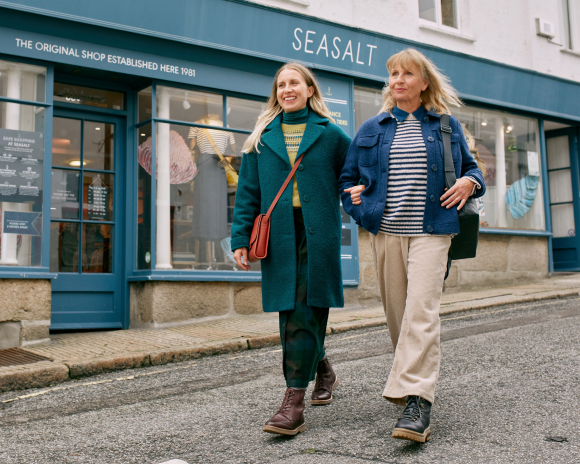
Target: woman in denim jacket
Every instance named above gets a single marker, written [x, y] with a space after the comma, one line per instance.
[393, 185]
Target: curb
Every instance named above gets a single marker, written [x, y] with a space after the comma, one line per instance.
[47, 373]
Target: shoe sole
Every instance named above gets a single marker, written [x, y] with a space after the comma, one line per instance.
[328, 401]
[279, 431]
[405, 434]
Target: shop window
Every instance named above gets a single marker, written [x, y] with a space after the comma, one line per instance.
[506, 148]
[144, 198]
[198, 158]
[88, 96]
[144, 108]
[440, 12]
[21, 182]
[22, 81]
[367, 103]
[184, 105]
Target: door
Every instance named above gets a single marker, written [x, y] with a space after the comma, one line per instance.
[562, 151]
[86, 221]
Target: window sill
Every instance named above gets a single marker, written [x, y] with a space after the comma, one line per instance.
[570, 52]
[499, 231]
[27, 275]
[446, 32]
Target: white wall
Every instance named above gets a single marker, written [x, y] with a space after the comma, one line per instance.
[499, 30]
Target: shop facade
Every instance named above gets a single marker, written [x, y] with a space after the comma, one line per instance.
[117, 127]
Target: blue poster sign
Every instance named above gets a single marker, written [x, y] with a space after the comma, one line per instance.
[22, 223]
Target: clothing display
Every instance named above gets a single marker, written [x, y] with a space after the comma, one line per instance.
[407, 181]
[521, 195]
[302, 330]
[210, 189]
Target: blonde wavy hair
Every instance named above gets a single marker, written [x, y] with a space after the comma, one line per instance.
[273, 108]
[436, 97]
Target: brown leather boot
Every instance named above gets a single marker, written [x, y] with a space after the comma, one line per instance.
[289, 420]
[326, 382]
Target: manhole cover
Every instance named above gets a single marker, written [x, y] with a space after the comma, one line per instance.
[16, 356]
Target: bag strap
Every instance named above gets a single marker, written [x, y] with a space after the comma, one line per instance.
[286, 182]
[450, 178]
[212, 143]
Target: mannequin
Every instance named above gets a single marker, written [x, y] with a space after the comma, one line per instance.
[210, 189]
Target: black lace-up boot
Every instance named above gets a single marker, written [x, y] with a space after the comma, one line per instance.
[414, 421]
[289, 420]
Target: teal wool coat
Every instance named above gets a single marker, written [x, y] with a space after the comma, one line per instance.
[261, 176]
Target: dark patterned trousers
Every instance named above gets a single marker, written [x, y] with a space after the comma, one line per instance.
[302, 330]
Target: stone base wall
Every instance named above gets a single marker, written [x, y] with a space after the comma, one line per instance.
[161, 304]
[24, 312]
[501, 260]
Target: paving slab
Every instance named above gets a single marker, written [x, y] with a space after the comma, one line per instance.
[74, 355]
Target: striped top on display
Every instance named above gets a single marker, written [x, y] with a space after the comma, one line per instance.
[221, 139]
[407, 181]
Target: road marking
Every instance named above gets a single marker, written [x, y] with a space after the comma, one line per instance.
[175, 461]
[100, 382]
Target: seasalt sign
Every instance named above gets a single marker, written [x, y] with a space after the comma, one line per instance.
[102, 57]
[337, 48]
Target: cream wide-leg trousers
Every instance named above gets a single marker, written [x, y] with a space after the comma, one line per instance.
[410, 271]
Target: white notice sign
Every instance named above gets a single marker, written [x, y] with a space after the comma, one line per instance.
[533, 164]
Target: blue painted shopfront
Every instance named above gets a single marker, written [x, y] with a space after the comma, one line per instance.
[115, 46]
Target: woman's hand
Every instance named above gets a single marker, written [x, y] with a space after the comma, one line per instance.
[459, 193]
[241, 257]
[355, 193]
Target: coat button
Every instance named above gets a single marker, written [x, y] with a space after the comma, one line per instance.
[429, 229]
[301, 167]
[306, 198]
[425, 118]
[311, 230]
[432, 198]
[431, 139]
[434, 168]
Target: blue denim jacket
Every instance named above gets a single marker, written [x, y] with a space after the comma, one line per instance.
[367, 162]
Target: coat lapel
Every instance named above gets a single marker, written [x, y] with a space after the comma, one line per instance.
[274, 138]
[314, 129]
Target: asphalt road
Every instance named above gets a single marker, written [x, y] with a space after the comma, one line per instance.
[509, 392]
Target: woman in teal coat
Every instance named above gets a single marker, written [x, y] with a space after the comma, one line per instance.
[301, 276]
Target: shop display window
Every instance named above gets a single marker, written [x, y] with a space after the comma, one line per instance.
[21, 81]
[144, 104]
[506, 148]
[190, 106]
[144, 199]
[367, 103]
[196, 172]
[21, 181]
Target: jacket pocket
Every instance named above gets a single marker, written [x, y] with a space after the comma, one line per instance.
[368, 150]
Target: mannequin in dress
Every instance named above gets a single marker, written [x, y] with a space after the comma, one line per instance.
[210, 189]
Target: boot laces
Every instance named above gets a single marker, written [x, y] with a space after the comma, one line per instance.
[286, 403]
[412, 411]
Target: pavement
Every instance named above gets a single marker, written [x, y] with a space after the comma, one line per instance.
[75, 355]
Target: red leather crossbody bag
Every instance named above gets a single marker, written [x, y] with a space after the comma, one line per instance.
[261, 232]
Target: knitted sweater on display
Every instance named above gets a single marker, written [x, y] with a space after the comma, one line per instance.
[293, 127]
[407, 181]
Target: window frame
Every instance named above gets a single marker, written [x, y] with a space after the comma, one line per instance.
[179, 274]
[439, 16]
[42, 271]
